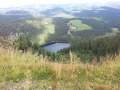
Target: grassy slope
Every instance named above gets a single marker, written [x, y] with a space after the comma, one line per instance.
[25, 71]
[79, 25]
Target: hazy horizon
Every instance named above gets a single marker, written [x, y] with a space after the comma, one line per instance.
[21, 3]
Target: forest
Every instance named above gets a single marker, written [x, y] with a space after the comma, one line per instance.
[92, 62]
[87, 49]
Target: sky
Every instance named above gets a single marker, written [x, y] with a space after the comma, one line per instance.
[19, 3]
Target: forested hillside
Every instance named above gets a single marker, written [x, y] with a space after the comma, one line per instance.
[96, 22]
[90, 61]
[49, 29]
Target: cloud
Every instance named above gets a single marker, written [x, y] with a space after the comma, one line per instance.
[17, 3]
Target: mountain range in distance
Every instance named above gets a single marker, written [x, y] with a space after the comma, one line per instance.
[67, 11]
[59, 22]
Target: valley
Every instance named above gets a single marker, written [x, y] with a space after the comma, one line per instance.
[60, 47]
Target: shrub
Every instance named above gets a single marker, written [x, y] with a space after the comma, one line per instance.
[23, 43]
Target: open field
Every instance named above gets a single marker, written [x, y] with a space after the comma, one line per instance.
[24, 71]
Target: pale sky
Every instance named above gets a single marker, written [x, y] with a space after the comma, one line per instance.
[18, 3]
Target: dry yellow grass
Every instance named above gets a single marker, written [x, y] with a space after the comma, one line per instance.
[72, 76]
